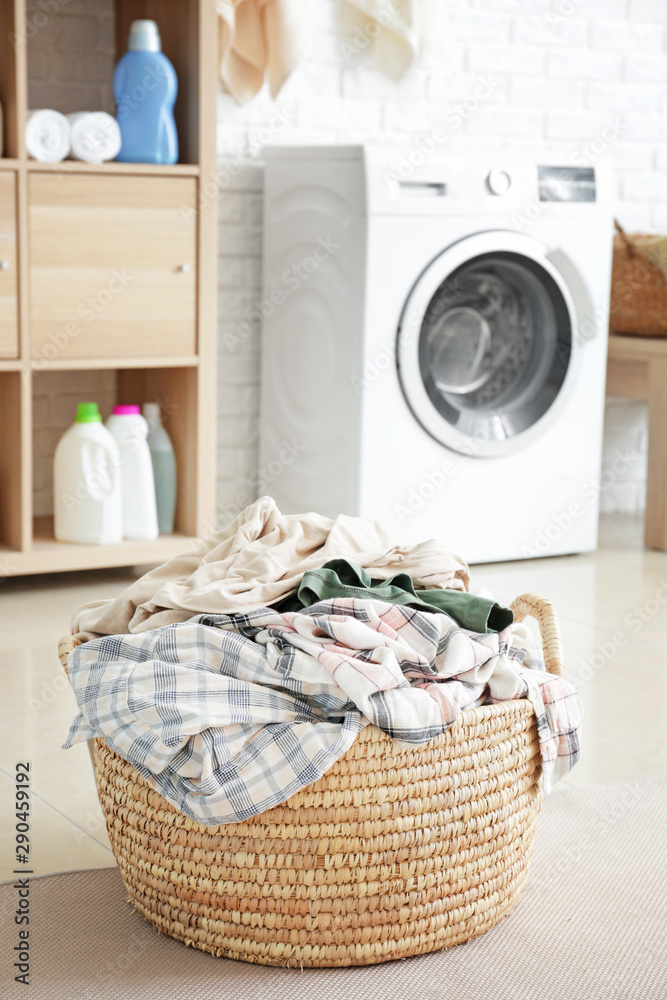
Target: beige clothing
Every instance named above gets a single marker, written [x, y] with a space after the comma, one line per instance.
[258, 38]
[256, 561]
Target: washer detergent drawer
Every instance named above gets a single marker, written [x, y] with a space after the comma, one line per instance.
[9, 341]
[113, 267]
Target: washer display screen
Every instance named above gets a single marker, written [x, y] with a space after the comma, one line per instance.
[494, 346]
[566, 183]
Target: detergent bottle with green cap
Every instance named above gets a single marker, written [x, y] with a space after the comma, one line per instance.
[87, 498]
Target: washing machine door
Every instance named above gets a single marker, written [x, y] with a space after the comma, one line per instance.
[486, 346]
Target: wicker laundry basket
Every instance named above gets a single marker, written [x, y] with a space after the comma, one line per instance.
[638, 289]
[398, 850]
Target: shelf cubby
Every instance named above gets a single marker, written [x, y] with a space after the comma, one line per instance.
[179, 30]
[176, 390]
[99, 38]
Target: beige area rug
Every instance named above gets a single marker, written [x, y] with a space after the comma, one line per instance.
[591, 925]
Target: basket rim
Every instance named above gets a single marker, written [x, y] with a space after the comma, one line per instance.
[524, 606]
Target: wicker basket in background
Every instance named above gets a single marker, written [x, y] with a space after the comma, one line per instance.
[398, 850]
[638, 289]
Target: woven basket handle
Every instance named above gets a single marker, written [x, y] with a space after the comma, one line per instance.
[65, 647]
[627, 241]
[528, 605]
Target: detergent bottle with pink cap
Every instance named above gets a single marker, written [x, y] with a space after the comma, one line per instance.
[130, 431]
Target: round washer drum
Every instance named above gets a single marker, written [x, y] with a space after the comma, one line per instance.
[487, 343]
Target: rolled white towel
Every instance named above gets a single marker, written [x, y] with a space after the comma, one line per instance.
[47, 136]
[95, 136]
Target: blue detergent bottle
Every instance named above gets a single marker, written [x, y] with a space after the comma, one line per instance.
[145, 87]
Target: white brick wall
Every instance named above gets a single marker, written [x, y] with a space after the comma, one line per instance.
[71, 56]
[558, 78]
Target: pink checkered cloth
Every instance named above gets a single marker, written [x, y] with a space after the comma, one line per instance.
[228, 715]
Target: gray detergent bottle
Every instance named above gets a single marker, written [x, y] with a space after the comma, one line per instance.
[164, 468]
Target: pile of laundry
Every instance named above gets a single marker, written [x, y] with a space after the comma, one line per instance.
[236, 674]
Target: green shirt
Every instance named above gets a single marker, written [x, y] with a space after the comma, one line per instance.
[341, 578]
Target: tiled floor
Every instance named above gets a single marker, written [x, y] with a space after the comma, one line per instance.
[612, 606]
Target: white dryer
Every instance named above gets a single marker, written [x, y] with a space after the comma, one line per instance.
[434, 346]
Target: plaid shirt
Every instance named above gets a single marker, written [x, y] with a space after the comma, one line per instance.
[229, 715]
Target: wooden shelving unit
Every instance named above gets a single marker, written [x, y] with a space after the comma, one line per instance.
[137, 169]
[68, 230]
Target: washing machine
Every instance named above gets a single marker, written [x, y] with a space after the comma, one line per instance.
[434, 345]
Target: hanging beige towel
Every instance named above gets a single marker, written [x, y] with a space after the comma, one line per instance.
[259, 38]
[398, 30]
[259, 558]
